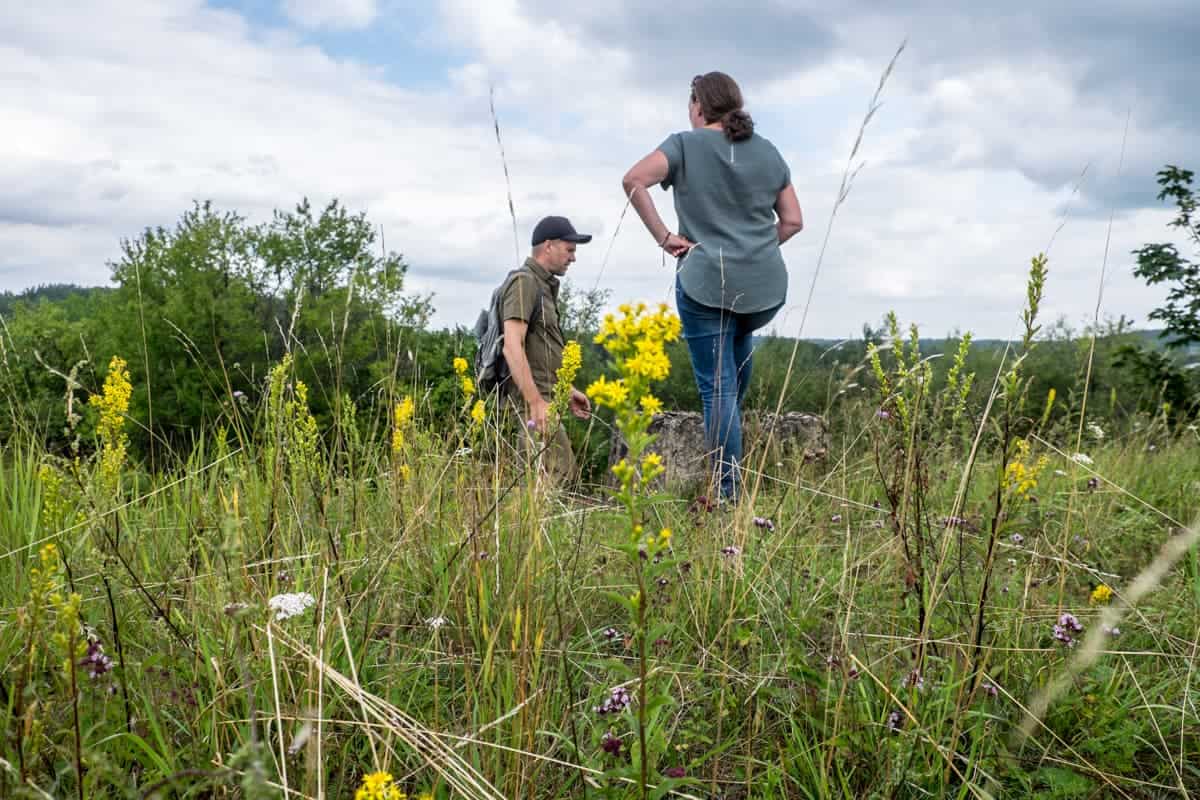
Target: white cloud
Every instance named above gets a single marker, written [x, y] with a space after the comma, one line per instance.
[101, 139]
[335, 14]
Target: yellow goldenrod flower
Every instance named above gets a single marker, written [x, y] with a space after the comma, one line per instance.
[608, 393]
[460, 366]
[572, 360]
[1049, 405]
[1101, 594]
[652, 467]
[1019, 476]
[564, 376]
[402, 418]
[651, 404]
[479, 412]
[468, 388]
[379, 786]
[405, 472]
[113, 403]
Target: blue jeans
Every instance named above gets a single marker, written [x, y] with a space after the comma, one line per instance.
[721, 346]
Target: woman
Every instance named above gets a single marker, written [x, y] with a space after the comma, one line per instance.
[736, 206]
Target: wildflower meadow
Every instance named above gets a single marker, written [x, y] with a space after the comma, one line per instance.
[977, 592]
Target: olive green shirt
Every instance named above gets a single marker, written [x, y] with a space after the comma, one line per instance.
[544, 338]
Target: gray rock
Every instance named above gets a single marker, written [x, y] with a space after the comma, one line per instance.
[795, 437]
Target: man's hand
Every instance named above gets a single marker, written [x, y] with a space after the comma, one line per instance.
[579, 404]
[538, 411]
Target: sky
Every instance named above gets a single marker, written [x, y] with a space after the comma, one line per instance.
[1001, 134]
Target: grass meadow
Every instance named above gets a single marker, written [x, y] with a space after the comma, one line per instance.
[960, 599]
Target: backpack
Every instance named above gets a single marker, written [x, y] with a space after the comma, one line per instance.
[491, 370]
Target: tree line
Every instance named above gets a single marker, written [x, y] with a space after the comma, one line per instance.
[202, 310]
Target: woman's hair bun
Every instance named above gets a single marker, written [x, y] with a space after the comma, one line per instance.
[738, 125]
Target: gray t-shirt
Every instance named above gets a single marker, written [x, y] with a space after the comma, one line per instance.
[725, 195]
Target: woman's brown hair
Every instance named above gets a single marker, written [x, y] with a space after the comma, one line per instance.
[720, 100]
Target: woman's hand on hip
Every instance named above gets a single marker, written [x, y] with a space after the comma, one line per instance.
[677, 245]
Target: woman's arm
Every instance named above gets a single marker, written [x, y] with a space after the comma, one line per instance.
[651, 171]
[787, 208]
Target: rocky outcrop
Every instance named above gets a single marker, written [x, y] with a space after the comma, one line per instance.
[793, 437]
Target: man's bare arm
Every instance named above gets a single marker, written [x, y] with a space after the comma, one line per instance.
[518, 368]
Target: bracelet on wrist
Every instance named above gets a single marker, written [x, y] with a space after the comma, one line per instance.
[663, 243]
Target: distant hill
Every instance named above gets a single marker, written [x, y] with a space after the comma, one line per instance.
[53, 292]
[1150, 338]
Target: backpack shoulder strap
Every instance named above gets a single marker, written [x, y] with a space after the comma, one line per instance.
[537, 299]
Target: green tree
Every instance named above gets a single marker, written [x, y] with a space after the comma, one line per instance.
[201, 310]
[42, 344]
[189, 315]
[344, 300]
[1161, 263]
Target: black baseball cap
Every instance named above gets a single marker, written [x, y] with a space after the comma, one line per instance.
[558, 228]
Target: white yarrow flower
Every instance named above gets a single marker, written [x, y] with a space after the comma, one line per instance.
[1083, 458]
[1095, 430]
[436, 622]
[291, 605]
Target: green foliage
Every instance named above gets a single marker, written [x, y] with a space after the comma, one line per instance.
[1161, 263]
[772, 670]
[200, 310]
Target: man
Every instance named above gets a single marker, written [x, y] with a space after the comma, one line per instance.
[533, 341]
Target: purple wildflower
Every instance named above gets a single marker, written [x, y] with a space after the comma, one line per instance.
[895, 721]
[95, 662]
[835, 519]
[663, 582]
[764, 522]
[675, 772]
[914, 681]
[1068, 625]
[1113, 631]
[610, 744]
[1017, 539]
[731, 551]
[611, 634]
[1093, 483]
[990, 688]
[530, 424]
[883, 413]
[618, 700]
[852, 674]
